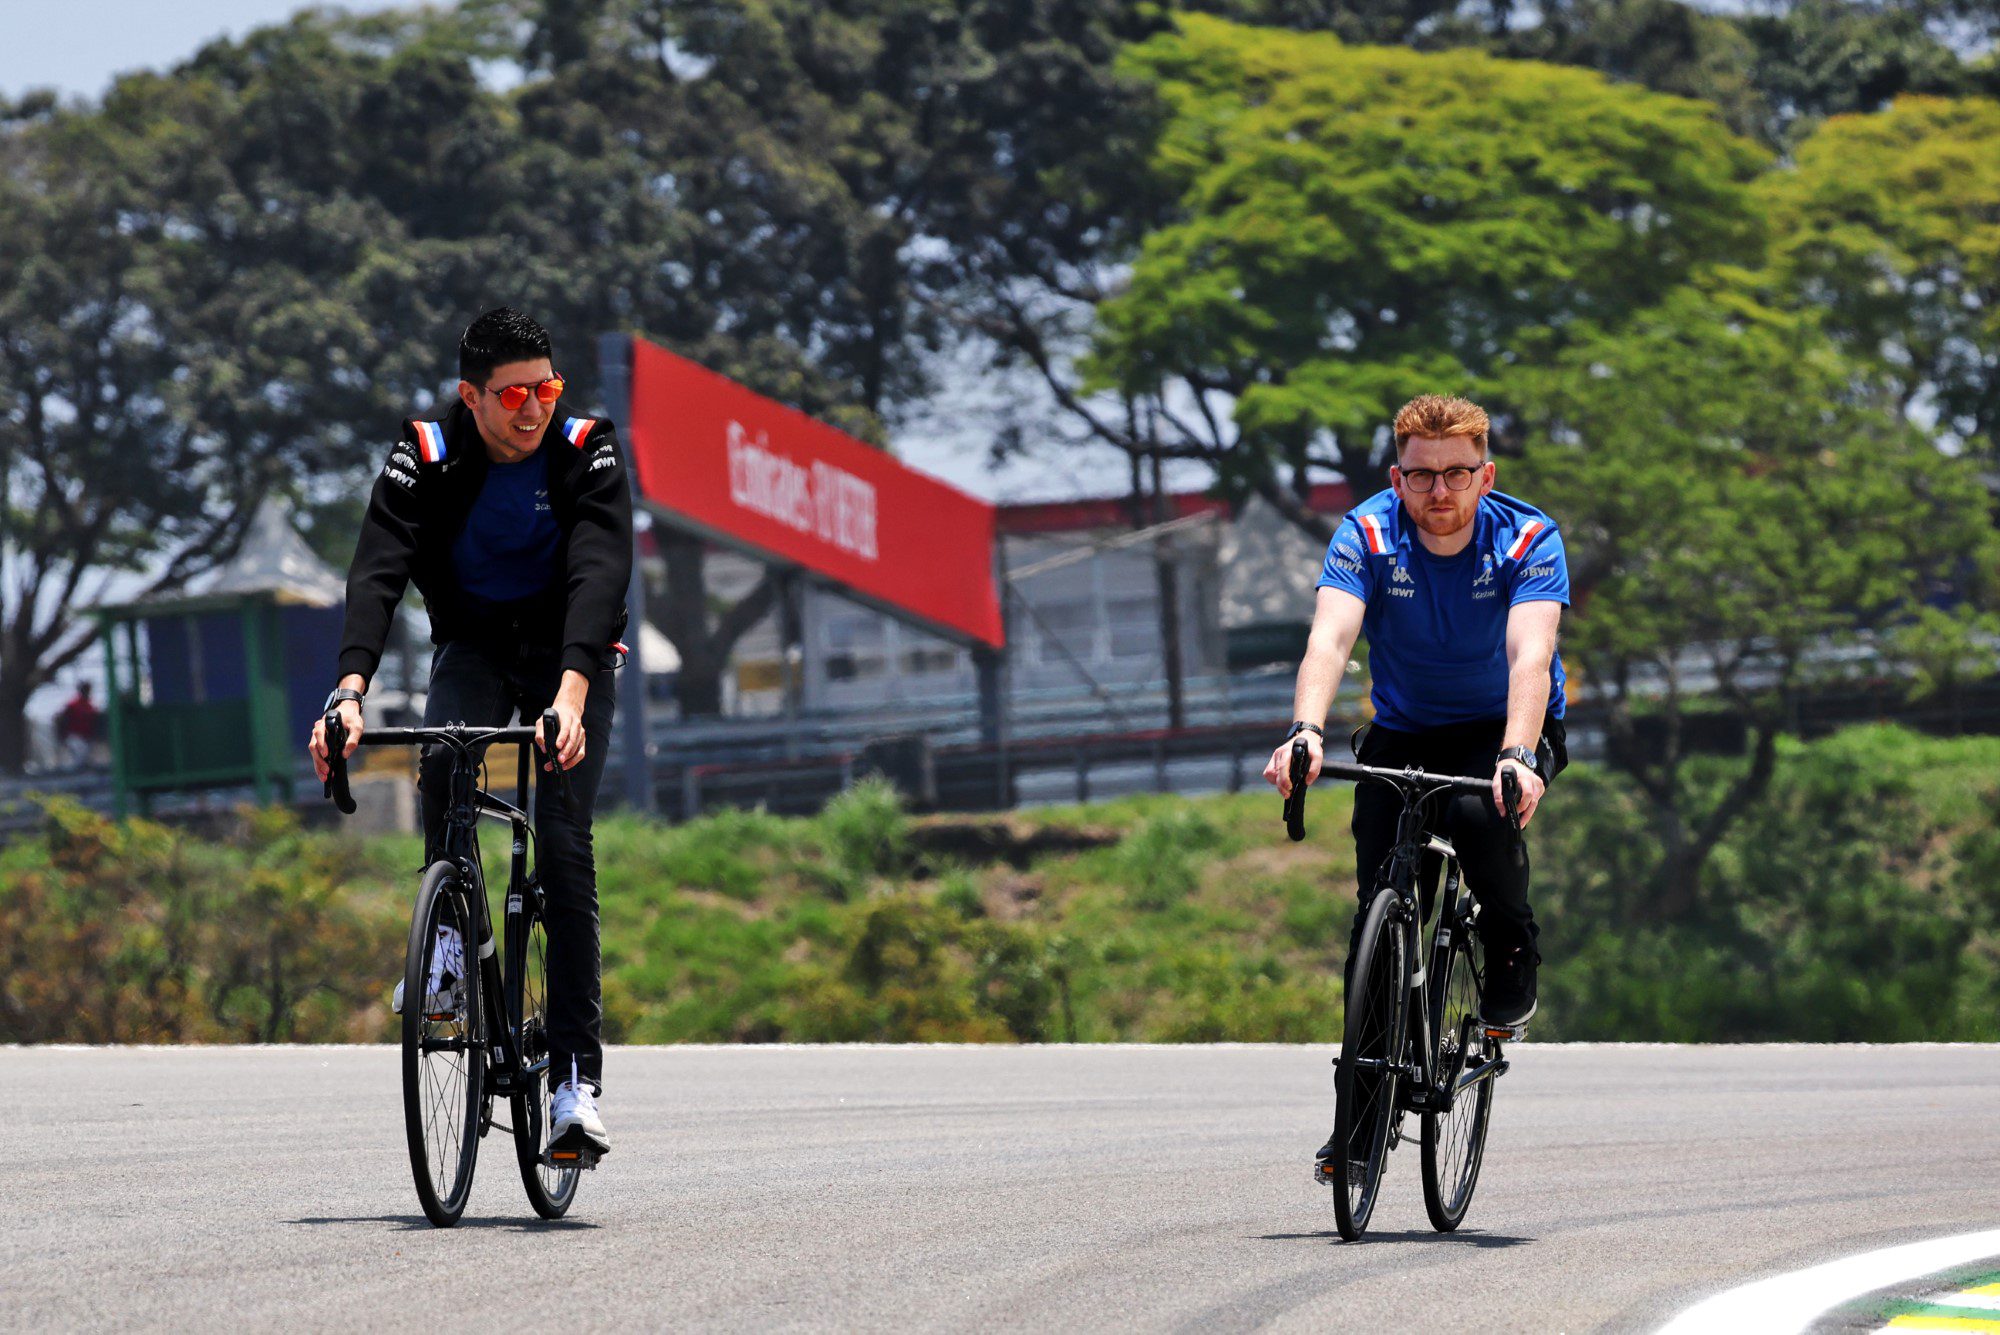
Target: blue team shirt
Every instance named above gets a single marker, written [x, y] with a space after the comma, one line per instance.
[507, 549]
[1437, 625]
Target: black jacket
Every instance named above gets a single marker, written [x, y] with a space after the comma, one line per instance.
[421, 503]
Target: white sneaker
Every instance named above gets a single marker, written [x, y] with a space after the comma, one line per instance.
[575, 1129]
[443, 990]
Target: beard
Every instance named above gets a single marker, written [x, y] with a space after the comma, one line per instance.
[1443, 524]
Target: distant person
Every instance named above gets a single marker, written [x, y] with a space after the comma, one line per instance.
[520, 539]
[1460, 589]
[78, 727]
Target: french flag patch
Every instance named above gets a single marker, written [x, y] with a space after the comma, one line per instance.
[577, 430]
[1377, 535]
[1529, 532]
[430, 441]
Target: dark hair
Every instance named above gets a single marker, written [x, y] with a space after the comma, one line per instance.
[500, 336]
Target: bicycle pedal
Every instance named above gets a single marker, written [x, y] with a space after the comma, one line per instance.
[566, 1159]
[1507, 1033]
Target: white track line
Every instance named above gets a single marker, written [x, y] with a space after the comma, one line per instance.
[1786, 1303]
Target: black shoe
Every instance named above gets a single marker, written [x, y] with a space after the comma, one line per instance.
[1510, 987]
[1357, 1162]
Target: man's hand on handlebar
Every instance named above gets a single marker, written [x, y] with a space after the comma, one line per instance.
[1532, 789]
[567, 707]
[350, 717]
[1279, 771]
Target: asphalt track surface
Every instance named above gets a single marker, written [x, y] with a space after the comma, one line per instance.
[969, 1188]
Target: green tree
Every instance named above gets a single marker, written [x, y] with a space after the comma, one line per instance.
[1890, 224]
[1359, 223]
[1821, 58]
[103, 467]
[1663, 45]
[230, 279]
[1739, 510]
[813, 198]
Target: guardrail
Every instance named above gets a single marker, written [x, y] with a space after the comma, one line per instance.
[1058, 751]
[983, 778]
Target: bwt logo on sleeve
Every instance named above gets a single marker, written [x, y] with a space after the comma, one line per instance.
[827, 502]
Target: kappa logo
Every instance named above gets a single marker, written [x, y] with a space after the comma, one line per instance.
[1402, 576]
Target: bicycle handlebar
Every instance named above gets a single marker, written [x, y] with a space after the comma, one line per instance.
[1295, 805]
[336, 764]
[452, 734]
[1405, 778]
[551, 725]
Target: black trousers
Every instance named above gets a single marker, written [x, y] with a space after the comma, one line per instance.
[1494, 861]
[486, 684]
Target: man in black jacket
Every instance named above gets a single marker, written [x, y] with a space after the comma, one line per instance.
[520, 539]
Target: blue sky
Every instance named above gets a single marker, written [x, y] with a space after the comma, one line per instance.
[77, 46]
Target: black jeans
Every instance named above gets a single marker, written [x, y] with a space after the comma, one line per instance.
[1494, 861]
[484, 684]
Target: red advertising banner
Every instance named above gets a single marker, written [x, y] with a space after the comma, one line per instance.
[747, 470]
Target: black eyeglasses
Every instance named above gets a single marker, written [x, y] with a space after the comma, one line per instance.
[1421, 480]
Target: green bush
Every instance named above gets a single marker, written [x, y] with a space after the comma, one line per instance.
[865, 831]
[1856, 902]
[128, 932]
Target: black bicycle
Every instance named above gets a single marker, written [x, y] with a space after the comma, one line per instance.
[1413, 1039]
[472, 1035]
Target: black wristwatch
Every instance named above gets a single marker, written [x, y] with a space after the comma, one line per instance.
[1527, 759]
[1303, 726]
[339, 693]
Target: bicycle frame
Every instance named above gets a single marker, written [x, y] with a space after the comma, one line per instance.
[1422, 1087]
[459, 843]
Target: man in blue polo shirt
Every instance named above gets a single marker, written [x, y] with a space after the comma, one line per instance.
[1460, 590]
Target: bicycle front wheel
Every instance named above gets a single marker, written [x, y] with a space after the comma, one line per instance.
[550, 1190]
[444, 1048]
[1370, 1052]
[1454, 1141]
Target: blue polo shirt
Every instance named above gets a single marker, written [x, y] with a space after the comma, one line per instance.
[1437, 625]
[507, 549]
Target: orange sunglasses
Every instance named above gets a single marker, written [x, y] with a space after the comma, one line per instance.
[513, 396]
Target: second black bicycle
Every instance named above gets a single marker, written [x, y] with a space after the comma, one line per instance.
[1413, 1040]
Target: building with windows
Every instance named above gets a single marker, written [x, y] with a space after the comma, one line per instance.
[1083, 610]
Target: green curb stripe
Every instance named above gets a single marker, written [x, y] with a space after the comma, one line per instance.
[1940, 1307]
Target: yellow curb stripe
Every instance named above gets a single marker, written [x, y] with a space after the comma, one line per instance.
[1917, 1322]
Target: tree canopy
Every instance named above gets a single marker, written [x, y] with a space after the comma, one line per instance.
[1354, 221]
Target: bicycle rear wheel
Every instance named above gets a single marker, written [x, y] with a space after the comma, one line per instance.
[444, 1049]
[1371, 1047]
[550, 1190]
[1454, 1142]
